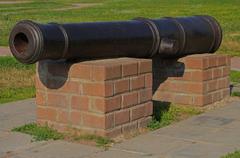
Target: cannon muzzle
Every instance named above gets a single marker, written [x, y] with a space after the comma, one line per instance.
[167, 37]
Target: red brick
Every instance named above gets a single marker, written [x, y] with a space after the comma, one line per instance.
[199, 87]
[130, 127]
[62, 116]
[122, 117]
[80, 103]
[145, 95]
[187, 76]
[188, 87]
[142, 123]
[46, 113]
[68, 87]
[222, 60]
[163, 96]
[208, 74]
[102, 73]
[98, 121]
[213, 61]
[40, 98]
[226, 71]
[121, 86]
[217, 96]
[76, 118]
[165, 86]
[217, 72]
[112, 133]
[81, 71]
[137, 112]
[212, 85]
[196, 63]
[226, 92]
[129, 99]
[223, 83]
[145, 66]
[129, 68]
[148, 108]
[202, 75]
[57, 100]
[39, 85]
[183, 99]
[106, 105]
[228, 60]
[137, 82]
[148, 80]
[202, 100]
[98, 89]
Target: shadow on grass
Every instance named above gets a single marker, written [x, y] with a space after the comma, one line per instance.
[159, 109]
[166, 113]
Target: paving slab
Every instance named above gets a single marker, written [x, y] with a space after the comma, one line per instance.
[115, 153]
[58, 149]
[16, 114]
[200, 150]
[151, 144]
[209, 135]
[10, 142]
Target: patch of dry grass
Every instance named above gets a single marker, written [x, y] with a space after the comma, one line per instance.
[16, 80]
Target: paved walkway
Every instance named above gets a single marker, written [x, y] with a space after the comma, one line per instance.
[209, 135]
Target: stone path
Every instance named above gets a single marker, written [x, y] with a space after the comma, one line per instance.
[209, 135]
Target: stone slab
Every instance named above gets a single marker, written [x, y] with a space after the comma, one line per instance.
[16, 114]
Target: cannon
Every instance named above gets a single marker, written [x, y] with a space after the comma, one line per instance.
[141, 38]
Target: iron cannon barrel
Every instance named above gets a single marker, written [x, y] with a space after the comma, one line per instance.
[168, 37]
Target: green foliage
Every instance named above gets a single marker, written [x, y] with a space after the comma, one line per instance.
[100, 141]
[39, 133]
[236, 94]
[235, 77]
[166, 113]
[8, 62]
[227, 12]
[235, 154]
[13, 94]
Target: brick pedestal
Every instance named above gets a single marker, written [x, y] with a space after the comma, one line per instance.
[103, 97]
[193, 80]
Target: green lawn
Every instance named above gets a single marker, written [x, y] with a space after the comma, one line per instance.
[165, 113]
[44, 133]
[236, 154]
[235, 77]
[16, 80]
[226, 11]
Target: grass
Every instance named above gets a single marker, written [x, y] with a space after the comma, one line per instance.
[235, 77]
[100, 141]
[39, 133]
[235, 154]
[227, 12]
[44, 133]
[16, 80]
[165, 114]
[235, 82]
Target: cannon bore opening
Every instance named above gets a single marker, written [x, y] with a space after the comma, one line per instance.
[21, 43]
